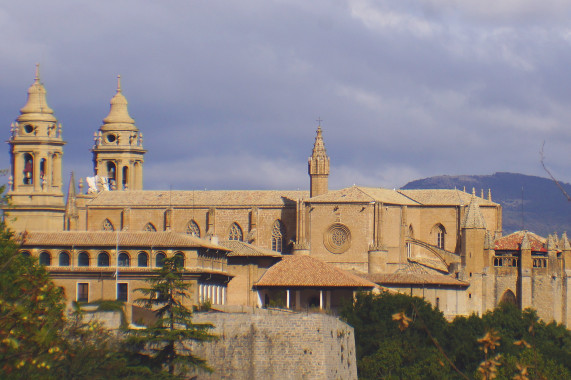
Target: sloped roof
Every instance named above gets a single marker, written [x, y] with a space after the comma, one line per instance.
[360, 194]
[203, 198]
[240, 248]
[306, 271]
[444, 197]
[512, 242]
[166, 239]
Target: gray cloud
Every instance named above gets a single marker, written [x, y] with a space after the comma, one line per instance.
[227, 93]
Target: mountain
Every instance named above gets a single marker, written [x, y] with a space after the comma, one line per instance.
[545, 208]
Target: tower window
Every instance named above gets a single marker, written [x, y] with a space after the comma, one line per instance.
[111, 174]
[111, 138]
[235, 232]
[28, 128]
[28, 169]
[125, 177]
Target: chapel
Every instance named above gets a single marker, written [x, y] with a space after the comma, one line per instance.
[313, 248]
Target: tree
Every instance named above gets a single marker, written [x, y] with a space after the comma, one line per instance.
[31, 314]
[166, 342]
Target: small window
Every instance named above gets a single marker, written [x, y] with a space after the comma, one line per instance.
[83, 259]
[108, 226]
[45, 259]
[143, 260]
[192, 229]
[122, 292]
[103, 259]
[26, 254]
[123, 259]
[150, 228]
[63, 259]
[160, 260]
[28, 128]
[82, 292]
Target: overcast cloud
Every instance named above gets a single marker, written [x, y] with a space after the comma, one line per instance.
[227, 93]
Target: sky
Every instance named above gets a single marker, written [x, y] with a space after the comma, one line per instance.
[228, 93]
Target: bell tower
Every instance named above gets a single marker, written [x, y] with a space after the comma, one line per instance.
[36, 149]
[318, 167]
[118, 148]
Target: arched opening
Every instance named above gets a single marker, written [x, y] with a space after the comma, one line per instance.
[409, 247]
[26, 254]
[64, 259]
[179, 259]
[45, 258]
[103, 259]
[143, 260]
[160, 260]
[235, 232]
[509, 297]
[42, 168]
[112, 174]
[125, 178]
[439, 234]
[278, 233]
[149, 227]
[28, 169]
[83, 259]
[124, 260]
[192, 229]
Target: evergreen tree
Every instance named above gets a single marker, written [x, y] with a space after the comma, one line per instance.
[165, 344]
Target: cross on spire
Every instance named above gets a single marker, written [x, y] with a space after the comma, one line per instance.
[319, 121]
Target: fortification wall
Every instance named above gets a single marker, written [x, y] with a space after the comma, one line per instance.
[277, 346]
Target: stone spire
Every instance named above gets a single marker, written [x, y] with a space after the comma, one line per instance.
[318, 167]
[551, 242]
[525, 244]
[36, 108]
[474, 217]
[564, 243]
[118, 117]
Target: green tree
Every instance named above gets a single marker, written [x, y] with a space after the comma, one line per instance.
[165, 344]
[31, 314]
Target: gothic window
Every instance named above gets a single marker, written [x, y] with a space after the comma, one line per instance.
[150, 228]
[439, 235]
[63, 259]
[193, 229]
[278, 232]
[160, 260]
[108, 226]
[103, 259]
[410, 234]
[124, 259]
[45, 259]
[235, 232]
[83, 259]
[179, 259]
[143, 259]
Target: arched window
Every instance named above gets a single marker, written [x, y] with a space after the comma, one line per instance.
[150, 228]
[179, 259]
[143, 259]
[63, 259]
[28, 169]
[439, 234]
[278, 232]
[235, 232]
[509, 297]
[160, 260]
[103, 259]
[124, 259]
[108, 226]
[193, 229]
[83, 259]
[112, 174]
[125, 177]
[45, 258]
[410, 234]
[26, 254]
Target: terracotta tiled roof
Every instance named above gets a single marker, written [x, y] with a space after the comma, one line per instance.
[413, 278]
[363, 195]
[444, 197]
[306, 271]
[513, 241]
[240, 248]
[198, 198]
[109, 239]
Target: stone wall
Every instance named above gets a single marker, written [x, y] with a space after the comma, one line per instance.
[277, 345]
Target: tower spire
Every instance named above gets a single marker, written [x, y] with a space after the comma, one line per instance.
[318, 166]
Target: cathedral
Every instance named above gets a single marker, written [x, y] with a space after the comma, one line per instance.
[250, 249]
